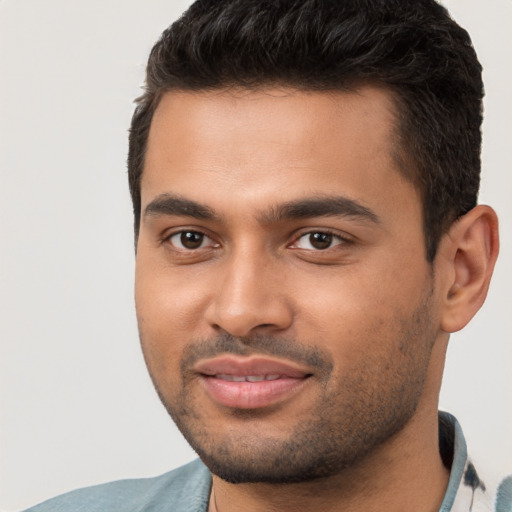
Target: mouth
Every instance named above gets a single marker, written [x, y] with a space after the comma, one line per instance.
[250, 383]
[247, 378]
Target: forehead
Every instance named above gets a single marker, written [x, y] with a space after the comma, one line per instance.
[279, 116]
[271, 143]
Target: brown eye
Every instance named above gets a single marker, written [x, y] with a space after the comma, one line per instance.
[189, 240]
[318, 241]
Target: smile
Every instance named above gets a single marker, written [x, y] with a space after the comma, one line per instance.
[254, 383]
[247, 378]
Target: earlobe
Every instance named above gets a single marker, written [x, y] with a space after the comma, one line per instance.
[470, 249]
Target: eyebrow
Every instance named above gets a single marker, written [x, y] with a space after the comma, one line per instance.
[170, 204]
[323, 206]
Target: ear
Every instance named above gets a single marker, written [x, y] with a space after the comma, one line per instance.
[468, 253]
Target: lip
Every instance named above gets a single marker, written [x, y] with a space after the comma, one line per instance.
[217, 376]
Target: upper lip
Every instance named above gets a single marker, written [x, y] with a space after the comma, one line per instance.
[240, 367]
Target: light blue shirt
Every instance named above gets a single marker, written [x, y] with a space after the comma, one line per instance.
[187, 489]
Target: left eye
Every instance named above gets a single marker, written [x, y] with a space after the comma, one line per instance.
[318, 241]
[190, 240]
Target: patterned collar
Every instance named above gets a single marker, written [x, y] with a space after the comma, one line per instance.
[466, 492]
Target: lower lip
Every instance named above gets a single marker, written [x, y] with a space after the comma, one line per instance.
[250, 395]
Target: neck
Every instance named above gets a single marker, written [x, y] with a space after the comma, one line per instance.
[404, 474]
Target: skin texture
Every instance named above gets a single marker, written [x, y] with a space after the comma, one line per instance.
[357, 311]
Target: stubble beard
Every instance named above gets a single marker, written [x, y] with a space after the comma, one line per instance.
[345, 426]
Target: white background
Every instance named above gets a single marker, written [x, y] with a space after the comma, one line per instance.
[77, 407]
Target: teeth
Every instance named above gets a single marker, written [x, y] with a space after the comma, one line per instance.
[231, 378]
[247, 378]
[254, 378]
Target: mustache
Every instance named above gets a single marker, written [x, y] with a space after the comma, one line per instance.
[258, 344]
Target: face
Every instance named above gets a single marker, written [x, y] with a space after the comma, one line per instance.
[285, 306]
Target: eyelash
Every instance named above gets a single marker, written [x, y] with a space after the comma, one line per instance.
[342, 240]
[181, 232]
[324, 232]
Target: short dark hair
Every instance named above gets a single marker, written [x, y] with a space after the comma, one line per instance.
[412, 47]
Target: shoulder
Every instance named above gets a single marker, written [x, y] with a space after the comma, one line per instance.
[504, 495]
[186, 489]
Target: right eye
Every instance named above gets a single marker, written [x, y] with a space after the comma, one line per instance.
[189, 240]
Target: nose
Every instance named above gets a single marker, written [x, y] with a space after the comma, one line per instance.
[250, 297]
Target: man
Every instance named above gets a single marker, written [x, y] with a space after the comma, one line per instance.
[304, 178]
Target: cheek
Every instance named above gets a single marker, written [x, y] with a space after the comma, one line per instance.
[167, 313]
[358, 315]
[168, 302]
